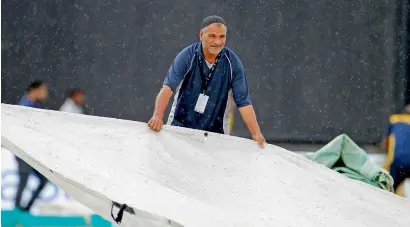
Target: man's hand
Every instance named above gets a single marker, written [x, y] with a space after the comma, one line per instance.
[155, 123]
[249, 117]
[161, 103]
[259, 139]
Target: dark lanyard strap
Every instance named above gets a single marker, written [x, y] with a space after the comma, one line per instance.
[206, 79]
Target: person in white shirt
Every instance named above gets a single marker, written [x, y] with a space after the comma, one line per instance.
[74, 102]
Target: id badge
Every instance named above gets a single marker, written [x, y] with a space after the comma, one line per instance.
[201, 103]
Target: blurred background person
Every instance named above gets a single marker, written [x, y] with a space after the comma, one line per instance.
[74, 102]
[37, 92]
[397, 145]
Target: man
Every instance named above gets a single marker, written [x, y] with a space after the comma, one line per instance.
[74, 102]
[37, 92]
[205, 77]
[398, 147]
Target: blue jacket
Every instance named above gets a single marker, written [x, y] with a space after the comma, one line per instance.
[27, 102]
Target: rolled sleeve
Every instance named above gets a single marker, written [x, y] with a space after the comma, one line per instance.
[177, 70]
[240, 86]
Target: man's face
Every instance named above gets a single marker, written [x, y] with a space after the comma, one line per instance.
[79, 98]
[42, 93]
[213, 38]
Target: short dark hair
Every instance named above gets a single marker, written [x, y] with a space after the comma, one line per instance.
[34, 85]
[211, 20]
[74, 91]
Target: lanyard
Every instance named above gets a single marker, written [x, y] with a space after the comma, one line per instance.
[206, 79]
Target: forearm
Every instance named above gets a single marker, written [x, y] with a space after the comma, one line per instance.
[383, 145]
[249, 117]
[162, 101]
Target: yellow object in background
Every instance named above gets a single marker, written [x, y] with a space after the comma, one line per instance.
[230, 122]
[230, 117]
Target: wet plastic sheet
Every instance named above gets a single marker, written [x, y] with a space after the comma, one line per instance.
[177, 177]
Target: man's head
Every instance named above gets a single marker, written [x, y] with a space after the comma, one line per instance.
[213, 34]
[77, 95]
[406, 109]
[38, 91]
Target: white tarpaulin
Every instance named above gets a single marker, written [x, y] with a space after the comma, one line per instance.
[52, 201]
[176, 177]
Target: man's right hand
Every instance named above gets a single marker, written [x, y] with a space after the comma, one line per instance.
[155, 123]
[161, 104]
